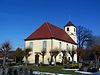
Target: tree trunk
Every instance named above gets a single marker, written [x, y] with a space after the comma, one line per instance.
[55, 60]
[98, 62]
[63, 60]
[72, 59]
[96, 59]
[79, 43]
[15, 60]
[80, 59]
[51, 60]
[4, 61]
[43, 59]
[26, 62]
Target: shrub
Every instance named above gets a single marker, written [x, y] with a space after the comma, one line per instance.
[41, 64]
[92, 70]
[72, 66]
[58, 63]
[12, 64]
[75, 65]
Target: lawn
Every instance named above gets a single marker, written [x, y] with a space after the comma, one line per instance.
[54, 69]
[49, 69]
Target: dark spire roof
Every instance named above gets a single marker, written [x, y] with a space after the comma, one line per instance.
[69, 24]
[49, 31]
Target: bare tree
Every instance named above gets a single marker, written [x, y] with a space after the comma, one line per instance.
[51, 54]
[5, 47]
[27, 54]
[97, 40]
[81, 54]
[96, 51]
[43, 52]
[72, 53]
[84, 35]
[19, 55]
[64, 58]
[54, 52]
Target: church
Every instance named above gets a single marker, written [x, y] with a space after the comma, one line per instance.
[50, 37]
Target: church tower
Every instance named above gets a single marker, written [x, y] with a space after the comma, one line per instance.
[70, 29]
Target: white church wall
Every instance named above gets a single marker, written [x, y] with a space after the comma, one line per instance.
[38, 45]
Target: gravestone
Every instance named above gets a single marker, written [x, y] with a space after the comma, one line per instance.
[15, 72]
[31, 72]
[6, 70]
[1, 70]
[9, 71]
[21, 71]
[80, 65]
[97, 73]
[26, 71]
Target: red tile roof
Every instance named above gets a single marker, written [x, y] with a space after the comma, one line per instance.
[49, 31]
[69, 24]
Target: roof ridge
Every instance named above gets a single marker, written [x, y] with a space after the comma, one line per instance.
[49, 29]
[55, 26]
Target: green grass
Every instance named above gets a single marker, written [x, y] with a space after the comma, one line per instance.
[54, 69]
[51, 69]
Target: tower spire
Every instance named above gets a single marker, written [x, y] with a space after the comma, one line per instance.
[70, 29]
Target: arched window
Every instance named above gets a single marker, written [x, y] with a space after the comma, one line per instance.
[67, 29]
[74, 30]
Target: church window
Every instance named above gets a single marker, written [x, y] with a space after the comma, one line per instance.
[60, 56]
[31, 44]
[67, 29]
[72, 47]
[69, 58]
[44, 45]
[60, 45]
[67, 46]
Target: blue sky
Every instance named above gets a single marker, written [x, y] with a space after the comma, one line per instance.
[19, 18]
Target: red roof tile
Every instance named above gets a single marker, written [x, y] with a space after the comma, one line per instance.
[49, 31]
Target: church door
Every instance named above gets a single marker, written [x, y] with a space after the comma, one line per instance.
[36, 59]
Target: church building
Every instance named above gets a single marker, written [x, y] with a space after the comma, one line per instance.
[50, 37]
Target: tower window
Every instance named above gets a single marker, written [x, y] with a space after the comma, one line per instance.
[74, 29]
[67, 29]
